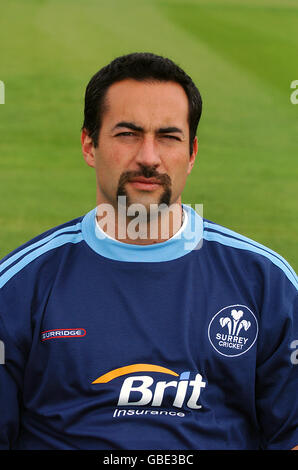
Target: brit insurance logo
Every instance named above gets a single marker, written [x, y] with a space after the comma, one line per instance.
[233, 330]
[144, 394]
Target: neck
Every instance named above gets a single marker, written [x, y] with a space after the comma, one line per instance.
[143, 227]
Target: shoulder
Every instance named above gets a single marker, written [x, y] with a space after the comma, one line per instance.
[36, 248]
[248, 251]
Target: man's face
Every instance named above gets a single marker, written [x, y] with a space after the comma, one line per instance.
[143, 144]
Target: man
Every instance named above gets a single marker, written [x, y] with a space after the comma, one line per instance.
[122, 337]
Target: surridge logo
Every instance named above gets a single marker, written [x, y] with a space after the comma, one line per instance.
[63, 333]
[233, 330]
[144, 390]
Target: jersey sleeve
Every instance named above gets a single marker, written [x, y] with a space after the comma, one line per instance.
[10, 390]
[16, 335]
[277, 369]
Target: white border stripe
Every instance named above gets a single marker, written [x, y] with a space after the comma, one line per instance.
[55, 243]
[216, 237]
[20, 253]
[219, 228]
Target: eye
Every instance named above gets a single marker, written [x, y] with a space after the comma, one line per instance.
[171, 137]
[125, 134]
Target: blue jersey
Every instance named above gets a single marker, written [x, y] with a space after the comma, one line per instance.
[185, 344]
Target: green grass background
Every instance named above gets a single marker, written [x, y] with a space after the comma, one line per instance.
[241, 54]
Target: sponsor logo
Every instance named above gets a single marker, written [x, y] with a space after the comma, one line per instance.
[63, 333]
[145, 391]
[233, 330]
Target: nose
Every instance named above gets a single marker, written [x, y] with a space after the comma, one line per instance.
[148, 152]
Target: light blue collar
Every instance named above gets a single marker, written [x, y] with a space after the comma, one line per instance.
[188, 238]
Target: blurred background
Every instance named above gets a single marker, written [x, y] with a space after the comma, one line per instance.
[242, 54]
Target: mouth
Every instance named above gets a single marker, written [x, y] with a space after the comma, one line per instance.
[145, 184]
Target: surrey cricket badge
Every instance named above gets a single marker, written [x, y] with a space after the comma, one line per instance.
[233, 330]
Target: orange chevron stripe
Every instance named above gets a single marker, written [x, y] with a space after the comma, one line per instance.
[130, 369]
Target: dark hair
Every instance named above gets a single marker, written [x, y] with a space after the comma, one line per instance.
[139, 66]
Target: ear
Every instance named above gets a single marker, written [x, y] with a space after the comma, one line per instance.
[87, 148]
[192, 158]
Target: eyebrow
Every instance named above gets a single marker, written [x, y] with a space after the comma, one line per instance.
[161, 130]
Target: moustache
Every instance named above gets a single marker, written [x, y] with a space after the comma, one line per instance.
[163, 179]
